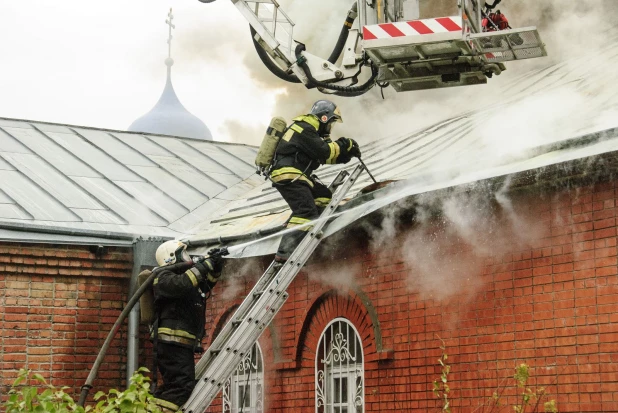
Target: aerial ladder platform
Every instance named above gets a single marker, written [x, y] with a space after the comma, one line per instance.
[259, 308]
[396, 43]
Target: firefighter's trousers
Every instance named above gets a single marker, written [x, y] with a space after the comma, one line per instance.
[177, 367]
[306, 203]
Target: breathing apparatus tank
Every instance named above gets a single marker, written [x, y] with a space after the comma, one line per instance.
[267, 150]
[146, 301]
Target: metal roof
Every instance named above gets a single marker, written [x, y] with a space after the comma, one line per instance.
[104, 181]
[458, 150]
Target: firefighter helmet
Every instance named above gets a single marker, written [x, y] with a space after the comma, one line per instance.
[326, 111]
[171, 252]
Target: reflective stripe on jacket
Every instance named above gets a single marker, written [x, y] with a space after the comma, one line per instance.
[301, 151]
[180, 300]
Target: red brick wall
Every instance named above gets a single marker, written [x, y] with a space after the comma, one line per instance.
[57, 305]
[530, 279]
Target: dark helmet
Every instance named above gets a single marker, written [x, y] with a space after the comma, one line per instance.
[326, 111]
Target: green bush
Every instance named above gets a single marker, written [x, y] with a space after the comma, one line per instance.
[30, 393]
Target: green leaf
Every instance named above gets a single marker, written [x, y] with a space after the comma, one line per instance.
[39, 378]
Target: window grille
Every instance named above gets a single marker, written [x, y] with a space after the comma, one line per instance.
[244, 391]
[339, 372]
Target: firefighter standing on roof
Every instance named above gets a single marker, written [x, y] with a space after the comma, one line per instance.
[180, 295]
[302, 149]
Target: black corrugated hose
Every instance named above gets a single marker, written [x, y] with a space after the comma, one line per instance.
[347, 91]
[334, 56]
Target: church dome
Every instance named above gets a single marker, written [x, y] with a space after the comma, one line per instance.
[169, 116]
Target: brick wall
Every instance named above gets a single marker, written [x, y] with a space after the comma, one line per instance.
[57, 305]
[531, 278]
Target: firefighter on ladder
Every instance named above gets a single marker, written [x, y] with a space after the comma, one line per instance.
[180, 295]
[303, 148]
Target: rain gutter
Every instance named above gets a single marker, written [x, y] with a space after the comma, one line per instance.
[44, 229]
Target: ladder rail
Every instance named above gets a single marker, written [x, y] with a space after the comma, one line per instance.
[247, 303]
[270, 22]
[220, 362]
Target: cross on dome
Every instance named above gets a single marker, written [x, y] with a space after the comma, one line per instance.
[169, 116]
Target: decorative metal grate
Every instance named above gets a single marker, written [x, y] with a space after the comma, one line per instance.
[244, 391]
[340, 384]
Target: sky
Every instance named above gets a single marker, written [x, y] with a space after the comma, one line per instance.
[101, 64]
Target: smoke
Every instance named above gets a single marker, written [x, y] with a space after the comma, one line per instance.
[450, 237]
[235, 276]
[339, 274]
[569, 29]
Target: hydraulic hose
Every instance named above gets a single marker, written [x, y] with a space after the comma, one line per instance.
[270, 64]
[341, 90]
[334, 56]
[343, 36]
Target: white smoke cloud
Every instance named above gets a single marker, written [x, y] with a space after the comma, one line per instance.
[236, 274]
[368, 117]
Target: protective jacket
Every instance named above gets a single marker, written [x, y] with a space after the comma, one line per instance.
[301, 151]
[499, 20]
[180, 303]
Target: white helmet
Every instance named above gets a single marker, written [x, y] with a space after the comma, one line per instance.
[171, 252]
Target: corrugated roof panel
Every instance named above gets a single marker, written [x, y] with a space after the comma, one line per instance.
[5, 199]
[99, 216]
[190, 221]
[115, 147]
[183, 193]
[10, 144]
[119, 201]
[12, 211]
[15, 123]
[199, 180]
[40, 144]
[156, 200]
[57, 184]
[33, 199]
[191, 155]
[4, 165]
[239, 190]
[245, 153]
[142, 144]
[51, 127]
[225, 179]
[227, 156]
[97, 159]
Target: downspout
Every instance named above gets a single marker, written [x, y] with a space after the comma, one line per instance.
[143, 257]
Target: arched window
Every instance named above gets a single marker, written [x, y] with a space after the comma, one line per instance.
[244, 391]
[339, 371]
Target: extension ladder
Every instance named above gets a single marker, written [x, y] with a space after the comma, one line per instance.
[259, 308]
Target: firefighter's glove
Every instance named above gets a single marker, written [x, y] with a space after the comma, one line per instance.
[355, 151]
[217, 264]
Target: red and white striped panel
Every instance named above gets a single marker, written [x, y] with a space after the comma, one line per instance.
[412, 28]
